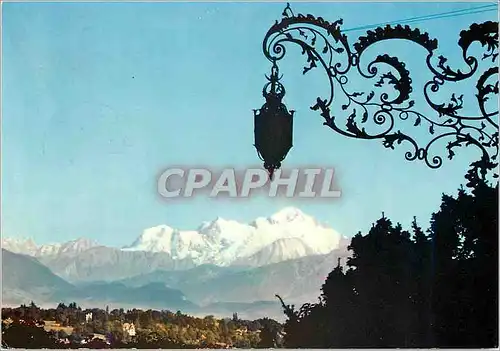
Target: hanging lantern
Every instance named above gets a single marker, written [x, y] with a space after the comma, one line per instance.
[273, 125]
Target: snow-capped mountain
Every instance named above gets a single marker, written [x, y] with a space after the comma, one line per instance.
[20, 246]
[288, 234]
[29, 247]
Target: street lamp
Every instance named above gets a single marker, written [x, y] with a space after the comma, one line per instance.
[273, 124]
[388, 101]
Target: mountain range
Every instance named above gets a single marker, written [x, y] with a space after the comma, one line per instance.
[290, 232]
[221, 265]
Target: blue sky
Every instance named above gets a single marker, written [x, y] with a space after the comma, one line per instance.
[98, 98]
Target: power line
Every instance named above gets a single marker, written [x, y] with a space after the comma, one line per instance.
[427, 17]
[459, 14]
[454, 13]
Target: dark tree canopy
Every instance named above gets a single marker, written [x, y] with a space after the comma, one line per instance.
[411, 288]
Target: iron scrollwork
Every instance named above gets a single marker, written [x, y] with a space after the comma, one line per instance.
[325, 46]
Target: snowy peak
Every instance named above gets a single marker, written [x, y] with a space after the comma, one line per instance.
[214, 227]
[154, 239]
[28, 247]
[24, 246]
[162, 238]
[285, 217]
[289, 214]
[287, 234]
[161, 233]
[71, 247]
[225, 231]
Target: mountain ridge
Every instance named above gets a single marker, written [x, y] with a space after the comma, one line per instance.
[202, 289]
[287, 234]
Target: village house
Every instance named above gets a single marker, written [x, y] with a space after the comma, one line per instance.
[241, 331]
[129, 328]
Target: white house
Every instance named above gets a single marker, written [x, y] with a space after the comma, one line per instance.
[129, 328]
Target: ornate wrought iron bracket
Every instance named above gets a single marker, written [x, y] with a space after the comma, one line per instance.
[374, 114]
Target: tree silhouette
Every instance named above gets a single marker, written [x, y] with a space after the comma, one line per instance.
[465, 255]
[27, 334]
[408, 289]
[267, 337]
[269, 333]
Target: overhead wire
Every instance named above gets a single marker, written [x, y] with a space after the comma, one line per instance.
[455, 13]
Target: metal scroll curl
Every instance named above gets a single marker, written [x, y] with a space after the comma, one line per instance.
[371, 115]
